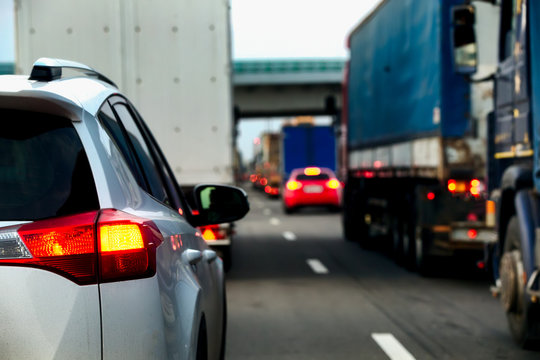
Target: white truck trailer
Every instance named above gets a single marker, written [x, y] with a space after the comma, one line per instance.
[172, 58]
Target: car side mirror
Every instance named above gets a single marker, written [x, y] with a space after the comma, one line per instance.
[217, 204]
[465, 49]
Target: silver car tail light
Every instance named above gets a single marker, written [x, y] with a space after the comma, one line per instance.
[12, 246]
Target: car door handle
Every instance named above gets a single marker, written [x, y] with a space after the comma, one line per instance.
[192, 256]
[209, 256]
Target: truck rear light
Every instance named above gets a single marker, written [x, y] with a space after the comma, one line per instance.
[123, 245]
[333, 184]
[476, 187]
[472, 234]
[490, 213]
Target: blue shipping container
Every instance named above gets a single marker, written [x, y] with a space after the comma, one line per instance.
[308, 145]
[401, 82]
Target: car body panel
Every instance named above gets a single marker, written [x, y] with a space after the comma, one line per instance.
[46, 316]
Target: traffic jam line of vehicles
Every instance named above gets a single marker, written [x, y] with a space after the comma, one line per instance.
[96, 236]
[302, 153]
[455, 173]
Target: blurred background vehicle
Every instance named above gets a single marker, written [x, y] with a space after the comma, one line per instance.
[413, 146]
[513, 165]
[311, 186]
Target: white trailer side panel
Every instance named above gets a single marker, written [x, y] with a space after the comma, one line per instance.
[171, 58]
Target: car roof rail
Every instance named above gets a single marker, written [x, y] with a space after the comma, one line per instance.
[48, 69]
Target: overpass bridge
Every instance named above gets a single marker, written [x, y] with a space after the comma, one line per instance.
[277, 88]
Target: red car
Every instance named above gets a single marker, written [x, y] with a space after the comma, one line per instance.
[312, 186]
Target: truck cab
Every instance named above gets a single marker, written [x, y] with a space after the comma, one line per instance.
[512, 167]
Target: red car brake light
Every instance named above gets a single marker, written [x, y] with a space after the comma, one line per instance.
[333, 184]
[213, 232]
[110, 245]
[312, 171]
[293, 185]
[127, 246]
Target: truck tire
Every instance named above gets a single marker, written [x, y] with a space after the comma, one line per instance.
[523, 316]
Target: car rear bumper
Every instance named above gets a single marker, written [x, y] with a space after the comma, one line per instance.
[302, 199]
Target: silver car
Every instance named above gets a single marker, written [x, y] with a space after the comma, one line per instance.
[99, 254]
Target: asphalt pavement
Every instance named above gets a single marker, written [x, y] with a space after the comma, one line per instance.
[298, 290]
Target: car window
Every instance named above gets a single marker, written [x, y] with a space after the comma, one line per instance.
[313, 177]
[117, 133]
[173, 189]
[44, 170]
[140, 148]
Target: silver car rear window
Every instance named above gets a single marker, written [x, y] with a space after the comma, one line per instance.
[44, 171]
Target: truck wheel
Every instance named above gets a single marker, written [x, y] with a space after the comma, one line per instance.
[422, 245]
[522, 315]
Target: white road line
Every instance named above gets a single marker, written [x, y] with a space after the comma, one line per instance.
[317, 266]
[392, 347]
[289, 236]
[274, 221]
[267, 212]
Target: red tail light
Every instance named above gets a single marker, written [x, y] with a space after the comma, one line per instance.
[293, 185]
[213, 232]
[333, 184]
[123, 245]
[127, 246]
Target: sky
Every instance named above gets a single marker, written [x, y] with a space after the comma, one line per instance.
[7, 42]
[294, 28]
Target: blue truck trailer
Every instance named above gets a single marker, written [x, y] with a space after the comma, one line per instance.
[306, 145]
[413, 144]
[513, 158]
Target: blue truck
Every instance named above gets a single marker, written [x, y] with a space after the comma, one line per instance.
[413, 138]
[513, 163]
[306, 145]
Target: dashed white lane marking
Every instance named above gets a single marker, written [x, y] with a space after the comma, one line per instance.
[392, 347]
[267, 212]
[274, 221]
[289, 236]
[317, 266]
